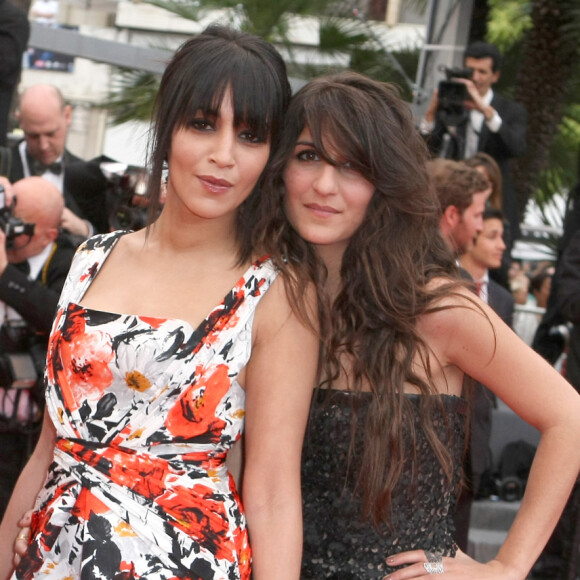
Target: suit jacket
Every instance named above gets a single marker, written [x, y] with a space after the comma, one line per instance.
[502, 303]
[567, 297]
[84, 187]
[508, 142]
[36, 300]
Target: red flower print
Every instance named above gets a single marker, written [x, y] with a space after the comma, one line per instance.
[194, 414]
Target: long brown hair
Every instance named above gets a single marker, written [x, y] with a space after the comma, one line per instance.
[386, 268]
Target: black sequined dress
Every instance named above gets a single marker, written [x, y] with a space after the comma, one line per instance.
[338, 543]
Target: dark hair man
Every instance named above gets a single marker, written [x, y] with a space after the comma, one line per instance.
[485, 254]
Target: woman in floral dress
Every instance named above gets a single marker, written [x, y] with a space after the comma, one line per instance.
[170, 342]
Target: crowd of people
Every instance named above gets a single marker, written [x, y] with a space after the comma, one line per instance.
[318, 287]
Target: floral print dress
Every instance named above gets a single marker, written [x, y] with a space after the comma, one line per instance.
[145, 411]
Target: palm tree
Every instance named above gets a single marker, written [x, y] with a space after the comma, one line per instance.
[548, 71]
[132, 92]
[539, 43]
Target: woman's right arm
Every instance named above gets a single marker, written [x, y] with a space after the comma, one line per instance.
[24, 494]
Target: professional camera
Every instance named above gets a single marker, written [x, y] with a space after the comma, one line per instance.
[126, 196]
[22, 361]
[11, 225]
[453, 94]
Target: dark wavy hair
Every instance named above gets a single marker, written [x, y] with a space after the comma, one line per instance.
[196, 78]
[386, 268]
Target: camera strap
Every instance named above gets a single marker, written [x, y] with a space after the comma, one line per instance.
[44, 277]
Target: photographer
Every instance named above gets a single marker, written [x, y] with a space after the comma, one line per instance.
[33, 268]
[491, 123]
[44, 118]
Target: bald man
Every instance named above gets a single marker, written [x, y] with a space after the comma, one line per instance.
[32, 274]
[45, 118]
[48, 255]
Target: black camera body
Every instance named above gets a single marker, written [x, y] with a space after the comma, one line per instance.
[11, 225]
[22, 362]
[452, 95]
[127, 200]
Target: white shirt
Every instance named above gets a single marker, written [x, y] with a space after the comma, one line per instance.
[57, 180]
[483, 284]
[475, 124]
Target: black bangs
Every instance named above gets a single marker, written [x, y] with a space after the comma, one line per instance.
[255, 92]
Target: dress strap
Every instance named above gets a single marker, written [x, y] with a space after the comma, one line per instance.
[88, 260]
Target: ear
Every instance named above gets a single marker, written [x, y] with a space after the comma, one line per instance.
[50, 235]
[67, 114]
[451, 216]
[495, 77]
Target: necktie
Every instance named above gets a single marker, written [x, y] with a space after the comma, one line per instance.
[479, 287]
[38, 168]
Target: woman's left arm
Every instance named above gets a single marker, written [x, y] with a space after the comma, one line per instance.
[486, 349]
[279, 381]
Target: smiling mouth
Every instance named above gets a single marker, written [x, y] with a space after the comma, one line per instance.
[321, 210]
[214, 184]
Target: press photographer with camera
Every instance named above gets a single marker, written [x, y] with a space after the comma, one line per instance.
[34, 261]
[44, 118]
[483, 120]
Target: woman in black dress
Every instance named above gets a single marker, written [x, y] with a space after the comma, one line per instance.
[383, 453]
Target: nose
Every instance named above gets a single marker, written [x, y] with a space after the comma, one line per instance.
[223, 148]
[502, 244]
[43, 143]
[325, 182]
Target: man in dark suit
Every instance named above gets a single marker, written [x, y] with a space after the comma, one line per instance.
[14, 34]
[462, 192]
[44, 118]
[486, 253]
[33, 268]
[492, 123]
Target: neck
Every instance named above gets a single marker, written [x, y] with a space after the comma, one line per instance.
[186, 235]
[476, 270]
[446, 232]
[331, 255]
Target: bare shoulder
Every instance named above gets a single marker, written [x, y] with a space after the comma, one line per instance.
[277, 310]
[132, 242]
[461, 329]
[456, 306]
